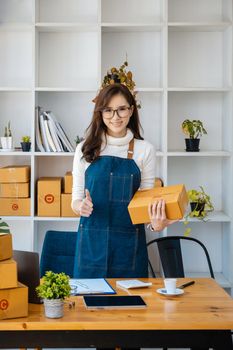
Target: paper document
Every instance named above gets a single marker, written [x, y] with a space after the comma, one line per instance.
[83, 286]
[132, 284]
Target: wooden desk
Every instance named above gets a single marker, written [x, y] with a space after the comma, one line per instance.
[203, 315]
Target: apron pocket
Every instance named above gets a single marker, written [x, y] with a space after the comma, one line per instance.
[93, 247]
[120, 187]
[123, 249]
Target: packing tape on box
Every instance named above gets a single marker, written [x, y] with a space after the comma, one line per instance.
[15, 184]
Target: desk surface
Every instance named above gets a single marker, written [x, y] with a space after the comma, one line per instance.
[203, 306]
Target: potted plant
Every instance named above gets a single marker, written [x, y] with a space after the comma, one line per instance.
[200, 206]
[7, 140]
[53, 289]
[78, 140]
[26, 143]
[4, 228]
[194, 129]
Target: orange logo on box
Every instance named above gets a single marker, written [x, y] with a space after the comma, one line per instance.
[49, 198]
[15, 206]
[4, 304]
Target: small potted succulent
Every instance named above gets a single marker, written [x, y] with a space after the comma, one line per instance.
[53, 289]
[7, 140]
[26, 143]
[194, 129]
[200, 206]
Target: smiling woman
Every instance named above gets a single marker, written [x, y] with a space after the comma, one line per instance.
[110, 165]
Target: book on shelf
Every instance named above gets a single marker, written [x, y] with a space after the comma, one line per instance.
[50, 135]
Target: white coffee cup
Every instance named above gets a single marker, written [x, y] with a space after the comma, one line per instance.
[170, 285]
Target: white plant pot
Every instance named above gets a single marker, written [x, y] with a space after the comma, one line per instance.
[7, 143]
[54, 308]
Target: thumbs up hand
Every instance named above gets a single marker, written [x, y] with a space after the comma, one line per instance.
[86, 205]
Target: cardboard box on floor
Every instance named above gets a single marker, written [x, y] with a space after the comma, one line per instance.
[49, 196]
[14, 190]
[66, 210]
[15, 173]
[68, 182]
[175, 197]
[5, 246]
[15, 206]
[14, 302]
[8, 274]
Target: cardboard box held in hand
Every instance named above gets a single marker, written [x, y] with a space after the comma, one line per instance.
[175, 197]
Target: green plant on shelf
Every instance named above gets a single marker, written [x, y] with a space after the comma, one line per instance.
[200, 206]
[4, 227]
[7, 131]
[193, 128]
[26, 139]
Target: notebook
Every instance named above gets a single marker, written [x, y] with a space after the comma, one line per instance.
[28, 272]
[81, 286]
[114, 302]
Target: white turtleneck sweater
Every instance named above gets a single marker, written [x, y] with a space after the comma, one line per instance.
[144, 157]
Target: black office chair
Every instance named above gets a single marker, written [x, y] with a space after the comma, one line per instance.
[171, 255]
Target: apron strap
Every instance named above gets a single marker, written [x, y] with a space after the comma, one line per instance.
[131, 149]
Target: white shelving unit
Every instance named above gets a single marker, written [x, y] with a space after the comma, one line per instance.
[55, 54]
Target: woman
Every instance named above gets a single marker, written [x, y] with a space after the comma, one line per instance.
[109, 167]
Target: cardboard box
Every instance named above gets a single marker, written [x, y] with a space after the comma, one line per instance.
[68, 182]
[49, 196]
[5, 246]
[15, 206]
[175, 197]
[15, 173]
[8, 274]
[66, 205]
[14, 190]
[14, 302]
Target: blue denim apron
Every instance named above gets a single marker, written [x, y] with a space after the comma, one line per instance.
[108, 244]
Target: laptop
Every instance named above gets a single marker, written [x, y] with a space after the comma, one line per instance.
[28, 272]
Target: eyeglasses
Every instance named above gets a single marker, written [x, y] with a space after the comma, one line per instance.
[122, 112]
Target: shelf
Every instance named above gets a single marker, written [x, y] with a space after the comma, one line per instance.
[16, 218]
[54, 154]
[61, 89]
[215, 216]
[63, 27]
[221, 280]
[199, 89]
[198, 26]
[16, 153]
[179, 153]
[145, 89]
[47, 218]
[15, 89]
[131, 27]
[16, 27]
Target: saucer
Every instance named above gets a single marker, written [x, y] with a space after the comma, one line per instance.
[163, 291]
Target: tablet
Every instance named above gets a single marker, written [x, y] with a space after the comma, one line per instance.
[114, 302]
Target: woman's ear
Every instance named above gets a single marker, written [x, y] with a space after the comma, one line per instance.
[131, 110]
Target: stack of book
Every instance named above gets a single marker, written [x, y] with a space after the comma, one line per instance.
[50, 136]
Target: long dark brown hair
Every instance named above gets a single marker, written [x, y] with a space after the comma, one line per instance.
[92, 144]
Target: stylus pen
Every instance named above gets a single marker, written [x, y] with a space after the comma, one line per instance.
[186, 284]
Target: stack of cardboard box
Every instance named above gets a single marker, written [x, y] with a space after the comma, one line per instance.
[15, 190]
[13, 295]
[50, 199]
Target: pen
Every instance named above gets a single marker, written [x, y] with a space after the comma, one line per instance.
[186, 284]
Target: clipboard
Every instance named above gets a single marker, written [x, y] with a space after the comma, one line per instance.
[93, 286]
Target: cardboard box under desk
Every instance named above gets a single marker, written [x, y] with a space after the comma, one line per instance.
[14, 190]
[66, 210]
[14, 302]
[175, 197]
[15, 206]
[49, 196]
[8, 274]
[68, 182]
[15, 173]
[5, 246]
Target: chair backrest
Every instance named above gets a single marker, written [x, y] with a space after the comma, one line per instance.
[171, 255]
[58, 252]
